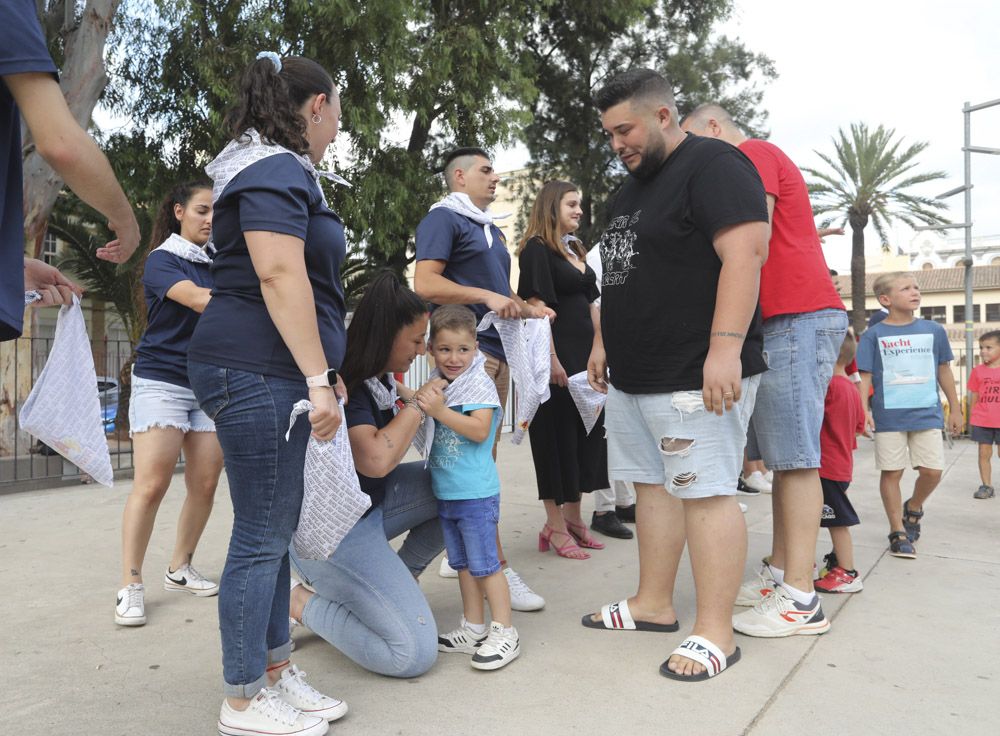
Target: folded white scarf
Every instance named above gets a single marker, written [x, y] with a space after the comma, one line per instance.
[459, 202]
[250, 148]
[526, 344]
[184, 248]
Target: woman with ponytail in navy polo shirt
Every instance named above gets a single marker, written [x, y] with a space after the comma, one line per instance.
[271, 336]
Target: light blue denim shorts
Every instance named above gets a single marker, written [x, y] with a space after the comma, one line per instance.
[801, 351]
[161, 405]
[672, 440]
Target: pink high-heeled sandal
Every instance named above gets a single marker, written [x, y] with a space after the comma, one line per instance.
[570, 550]
[584, 540]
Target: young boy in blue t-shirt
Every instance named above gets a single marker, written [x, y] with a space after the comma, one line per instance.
[906, 359]
[467, 486]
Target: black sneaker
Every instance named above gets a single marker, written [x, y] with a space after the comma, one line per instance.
[625, 514]
[984, 492]
[745, 490]
[610, 525]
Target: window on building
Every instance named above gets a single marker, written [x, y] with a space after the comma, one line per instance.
[50, 248]
[927, 267]
[960, 313]
[937, 314]
[993, 312]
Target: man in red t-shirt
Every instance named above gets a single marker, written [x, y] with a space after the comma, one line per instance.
[804, 327]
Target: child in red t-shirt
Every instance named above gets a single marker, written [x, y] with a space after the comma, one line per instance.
[843, 420]
[984, 408]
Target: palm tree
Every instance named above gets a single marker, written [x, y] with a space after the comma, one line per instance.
[870, 181]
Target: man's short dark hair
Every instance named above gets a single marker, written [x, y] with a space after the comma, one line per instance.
[459, 159]
[464, 151]
[635, 83]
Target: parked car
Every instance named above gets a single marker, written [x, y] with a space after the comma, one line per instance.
[107, 392]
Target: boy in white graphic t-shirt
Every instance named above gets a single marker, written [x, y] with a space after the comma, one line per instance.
[905, 359]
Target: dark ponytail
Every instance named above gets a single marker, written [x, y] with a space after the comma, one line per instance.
[166, 222]
[386, 307]
[269, 100]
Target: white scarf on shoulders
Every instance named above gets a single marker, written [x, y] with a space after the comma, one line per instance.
[184, 248]
[250, 148]
[460, 203]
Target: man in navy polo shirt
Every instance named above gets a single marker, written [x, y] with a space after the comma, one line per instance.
[30, 89]
[462, 258]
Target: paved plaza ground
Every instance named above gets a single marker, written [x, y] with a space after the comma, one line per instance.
[917, 652]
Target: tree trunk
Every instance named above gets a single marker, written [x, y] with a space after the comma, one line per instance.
[858, 318]
[82, 81]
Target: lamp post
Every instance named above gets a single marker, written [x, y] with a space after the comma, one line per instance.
[968, 149]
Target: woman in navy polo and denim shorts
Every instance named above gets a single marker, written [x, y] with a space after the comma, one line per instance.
[268, 339]
[164, 416]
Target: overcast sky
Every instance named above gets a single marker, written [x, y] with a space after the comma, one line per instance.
[907, 64]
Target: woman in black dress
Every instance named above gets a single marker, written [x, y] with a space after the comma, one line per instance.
[567, 460]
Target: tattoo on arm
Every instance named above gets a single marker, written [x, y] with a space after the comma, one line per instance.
[388, 442]
[737, 335]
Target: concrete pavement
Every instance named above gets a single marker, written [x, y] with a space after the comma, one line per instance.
[917, 652]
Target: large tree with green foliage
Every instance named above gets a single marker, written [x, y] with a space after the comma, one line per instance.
[871, 177]
[576, 47]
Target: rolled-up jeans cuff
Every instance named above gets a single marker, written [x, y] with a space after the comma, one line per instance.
[245, 691]
[279, 654]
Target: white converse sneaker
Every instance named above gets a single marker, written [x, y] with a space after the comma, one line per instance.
[778, 614]
[463, 640]
[752, 592]
[185, 578]
[269, 714]
[445, 570]
[500, 648]
[294, 690]
[522, 598]
[131, 608]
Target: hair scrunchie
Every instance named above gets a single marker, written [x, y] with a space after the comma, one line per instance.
[273, 57]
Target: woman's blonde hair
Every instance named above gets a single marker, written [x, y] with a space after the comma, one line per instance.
[543, 223]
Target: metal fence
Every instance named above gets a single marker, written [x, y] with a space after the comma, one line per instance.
[25, 462]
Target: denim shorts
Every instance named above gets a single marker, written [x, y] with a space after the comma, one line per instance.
[656, 437]
[801, 351]
[985, 435]
[470, 534]
[161, 405]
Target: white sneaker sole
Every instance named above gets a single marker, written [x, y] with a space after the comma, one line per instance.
[498, 663]
[766, 632]
[318, 730]
[177, 588]
[332, 713]
[130, 620]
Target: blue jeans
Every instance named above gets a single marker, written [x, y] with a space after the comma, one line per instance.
[367, 603]
[265, 483]
[801, 350]
[469, 526]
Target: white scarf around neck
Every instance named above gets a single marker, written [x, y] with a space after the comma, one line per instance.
[460, 203]
[250, 148]
[184, 248]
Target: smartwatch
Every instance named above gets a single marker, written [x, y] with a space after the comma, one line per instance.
[323, 380]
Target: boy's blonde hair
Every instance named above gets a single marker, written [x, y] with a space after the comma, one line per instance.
[885, 281]
[454, 317]
[848, 349]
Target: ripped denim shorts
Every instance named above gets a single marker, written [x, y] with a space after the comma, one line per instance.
[160, 405]
[672, 440]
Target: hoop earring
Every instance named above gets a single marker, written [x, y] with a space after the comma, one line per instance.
[316, 119]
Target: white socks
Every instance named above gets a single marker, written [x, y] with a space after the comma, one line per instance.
[799, 596]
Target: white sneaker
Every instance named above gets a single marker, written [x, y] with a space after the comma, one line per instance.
[294, 690]
[753, 592]
[758, 481]
[463, 640]
[778, 614]
[500, 648]
[269, 714]
[445, 569]
[131, 608]
[522, 598]
[743, 507]
[293, 623]
[769, 477]
[185, 578]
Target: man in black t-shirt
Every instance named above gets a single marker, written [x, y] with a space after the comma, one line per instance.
[679, 355]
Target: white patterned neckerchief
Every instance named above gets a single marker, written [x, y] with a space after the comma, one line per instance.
[385, 398]
[472, 387]
[526, 344]
[460, 203]
[184, 248]
[247, 150]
